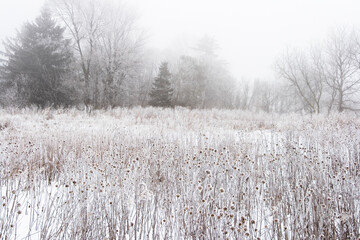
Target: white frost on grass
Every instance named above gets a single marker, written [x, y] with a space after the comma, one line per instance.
[177, 174]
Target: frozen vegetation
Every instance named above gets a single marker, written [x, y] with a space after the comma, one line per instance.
[178, 174]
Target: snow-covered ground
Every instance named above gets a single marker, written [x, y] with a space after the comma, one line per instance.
[178, 174]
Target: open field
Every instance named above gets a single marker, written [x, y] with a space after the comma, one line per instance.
[178, 174]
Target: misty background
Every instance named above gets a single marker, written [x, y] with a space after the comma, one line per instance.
[237, 47]
[192, 119]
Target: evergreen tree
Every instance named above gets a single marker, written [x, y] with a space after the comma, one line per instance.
[161, 92]
[37, 61]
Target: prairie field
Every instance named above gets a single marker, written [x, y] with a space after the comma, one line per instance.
[147, 173]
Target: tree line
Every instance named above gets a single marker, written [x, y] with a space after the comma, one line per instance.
[93, 54]
[325, 78]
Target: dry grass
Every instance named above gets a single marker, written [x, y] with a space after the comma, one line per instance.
[178, 174]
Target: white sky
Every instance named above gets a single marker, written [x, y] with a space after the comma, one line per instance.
[251, 33]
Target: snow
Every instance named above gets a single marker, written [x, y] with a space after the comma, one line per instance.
[176, 174]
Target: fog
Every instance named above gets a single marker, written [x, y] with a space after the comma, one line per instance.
[273, 56]
[250, 34]
[191, 119]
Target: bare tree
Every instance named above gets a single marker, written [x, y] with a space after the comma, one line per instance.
[144, 83]
[264, 96]
[120, 49]
[189, 81]
[327, 76]
[343, 69]
[242, 95]
[219, 85]
[82, 19]
[301, 71]
[108, 46]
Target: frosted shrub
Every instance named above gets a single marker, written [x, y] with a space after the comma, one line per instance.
[178, 174]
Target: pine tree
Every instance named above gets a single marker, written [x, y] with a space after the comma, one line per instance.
[37, 60]
[161, 92]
